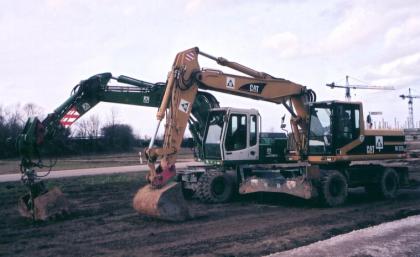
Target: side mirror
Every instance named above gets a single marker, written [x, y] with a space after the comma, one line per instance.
[283, 124]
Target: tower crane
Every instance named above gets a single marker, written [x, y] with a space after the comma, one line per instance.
[347, 86]
[410, 98]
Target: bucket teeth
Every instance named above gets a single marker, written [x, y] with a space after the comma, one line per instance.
[166, 203]
[46, 206]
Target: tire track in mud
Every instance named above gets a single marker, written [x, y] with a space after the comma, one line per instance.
[267, 234]
[104, 223]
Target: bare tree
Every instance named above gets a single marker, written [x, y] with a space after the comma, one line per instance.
[94, 126]
[11, 124]
[82, 128]
[31, 110]
[89, 127]
[2, 115]
[14, 114]
[113, 117]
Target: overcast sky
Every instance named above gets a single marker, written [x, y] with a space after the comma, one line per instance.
[49, 46]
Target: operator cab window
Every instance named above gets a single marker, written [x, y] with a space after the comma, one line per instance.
[253, 131]
[348, 124]
[320, 137]
[214, 134]
[236, 133]
[357, 120]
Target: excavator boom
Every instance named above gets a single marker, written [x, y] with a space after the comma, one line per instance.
[184, 80]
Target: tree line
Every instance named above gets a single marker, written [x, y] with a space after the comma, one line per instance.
[88, 135]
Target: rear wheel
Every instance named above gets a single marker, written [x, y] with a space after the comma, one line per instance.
[215, 187]
[333, 188]
[386, 187]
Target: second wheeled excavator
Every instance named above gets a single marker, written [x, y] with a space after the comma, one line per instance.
[331, 151]
[41, 203]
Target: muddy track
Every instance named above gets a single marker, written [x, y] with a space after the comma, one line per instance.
[104, 223]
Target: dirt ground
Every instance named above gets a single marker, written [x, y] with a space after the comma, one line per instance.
[103, 222]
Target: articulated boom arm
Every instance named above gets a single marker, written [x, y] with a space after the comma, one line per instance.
[89, 93]
[84, 96]
[183, 82]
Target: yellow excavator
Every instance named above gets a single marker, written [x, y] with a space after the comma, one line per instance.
[329, 149]
[41, 203]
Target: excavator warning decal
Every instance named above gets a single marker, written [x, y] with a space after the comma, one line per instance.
[71, 116]
[189, 56]
[184, 105]
[379, 142]
[86, 106]
[230, 82]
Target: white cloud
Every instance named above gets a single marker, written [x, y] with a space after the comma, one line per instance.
[402, 65]
[399, 72]
[405, 36]
[192, 5]
[367, 23]
[358, 25]
[55, 4]
[286, 44]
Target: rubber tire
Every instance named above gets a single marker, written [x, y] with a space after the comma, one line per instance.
[207, 191]
[333, 188]
[387, 187]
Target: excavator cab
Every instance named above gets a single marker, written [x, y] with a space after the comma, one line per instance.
[237, 129]
[333, 125]
[234, 135]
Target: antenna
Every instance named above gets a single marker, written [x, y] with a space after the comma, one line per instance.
[347, 86]
[410, 98]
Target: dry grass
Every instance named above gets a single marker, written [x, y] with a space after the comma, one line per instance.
[11, 166]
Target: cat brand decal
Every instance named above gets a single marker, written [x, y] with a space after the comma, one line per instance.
[253, 87]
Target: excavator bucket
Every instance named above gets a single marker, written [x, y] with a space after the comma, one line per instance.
[45, 206]
[166, 203]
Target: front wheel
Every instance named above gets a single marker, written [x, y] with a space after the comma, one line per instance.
[215, 187]
[333, 188]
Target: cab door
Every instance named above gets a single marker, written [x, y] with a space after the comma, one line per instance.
[254, 139]
[241, 137]
[347, 124]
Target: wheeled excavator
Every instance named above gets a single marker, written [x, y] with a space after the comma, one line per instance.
[329, 151]
[41, 203]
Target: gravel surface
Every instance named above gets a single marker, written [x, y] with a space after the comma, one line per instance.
[397, 238]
